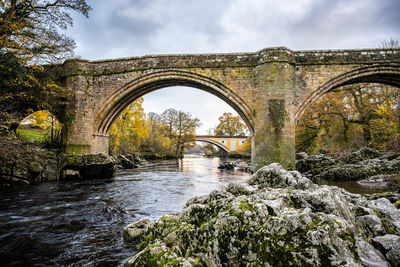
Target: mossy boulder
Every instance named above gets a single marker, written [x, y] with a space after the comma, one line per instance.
[276, 218]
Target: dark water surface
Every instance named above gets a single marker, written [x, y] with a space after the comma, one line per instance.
[80, 223]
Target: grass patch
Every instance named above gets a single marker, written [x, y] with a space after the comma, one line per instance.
[33, 134]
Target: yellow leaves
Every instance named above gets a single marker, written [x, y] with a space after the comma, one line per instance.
[44, 119]
[52, 84]
[129, 130]
[350, 117]
[385, 130]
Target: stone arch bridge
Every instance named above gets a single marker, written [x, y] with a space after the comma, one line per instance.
[270, 89]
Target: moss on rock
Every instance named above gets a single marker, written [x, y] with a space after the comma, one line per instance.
[277, 218]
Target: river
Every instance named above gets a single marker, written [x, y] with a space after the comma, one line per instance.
[80, 223]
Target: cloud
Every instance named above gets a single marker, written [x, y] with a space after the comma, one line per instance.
[123, 28]
[306, 24]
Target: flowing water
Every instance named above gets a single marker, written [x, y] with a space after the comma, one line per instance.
[80, 223]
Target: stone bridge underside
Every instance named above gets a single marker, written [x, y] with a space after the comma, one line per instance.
[270, 89]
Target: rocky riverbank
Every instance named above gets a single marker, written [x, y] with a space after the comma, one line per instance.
[43, 165]
[367, 165]
[276, 218]
[34, 165]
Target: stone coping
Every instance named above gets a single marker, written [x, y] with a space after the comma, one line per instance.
[73, 67]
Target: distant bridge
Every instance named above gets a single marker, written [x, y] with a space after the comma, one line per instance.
[226, 143]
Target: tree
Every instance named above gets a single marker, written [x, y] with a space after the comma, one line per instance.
[385, 130]
[153, 117]
[48, 123]
[181, 128]
[157, 141]
[391, 43]
[230, 125]
[28, 35]
[169, 119]
[129, 130]
[166, 134]
[185, 131]
[29, 29]
[342, 119]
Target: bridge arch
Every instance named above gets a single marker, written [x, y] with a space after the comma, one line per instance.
[384, 74]
[161, 79]
[213, 143]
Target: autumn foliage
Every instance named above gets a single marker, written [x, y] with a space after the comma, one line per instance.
[352, 117]
[167, 134]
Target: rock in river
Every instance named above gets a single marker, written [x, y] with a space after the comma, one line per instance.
[276, 218]
[86, 166]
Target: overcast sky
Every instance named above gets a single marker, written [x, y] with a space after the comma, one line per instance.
[124, 28]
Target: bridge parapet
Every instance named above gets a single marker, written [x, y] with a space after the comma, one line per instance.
[355, 56]
[275, 54]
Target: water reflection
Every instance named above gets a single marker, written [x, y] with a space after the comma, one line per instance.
[357, 188]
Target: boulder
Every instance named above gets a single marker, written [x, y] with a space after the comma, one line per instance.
[393, 180]
[35, 170]
[361, 170]
[276, 218]
[135, 231]
[227, 165]
[362, 154]
[393, 197]
[34, 166]
[87, 166]
[135, 158]
[243, 167]
[301, 155]
[237, 165]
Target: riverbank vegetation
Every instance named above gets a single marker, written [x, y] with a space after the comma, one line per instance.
[164, 136]
[351, 117]
[30, 36]
[40, 127]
